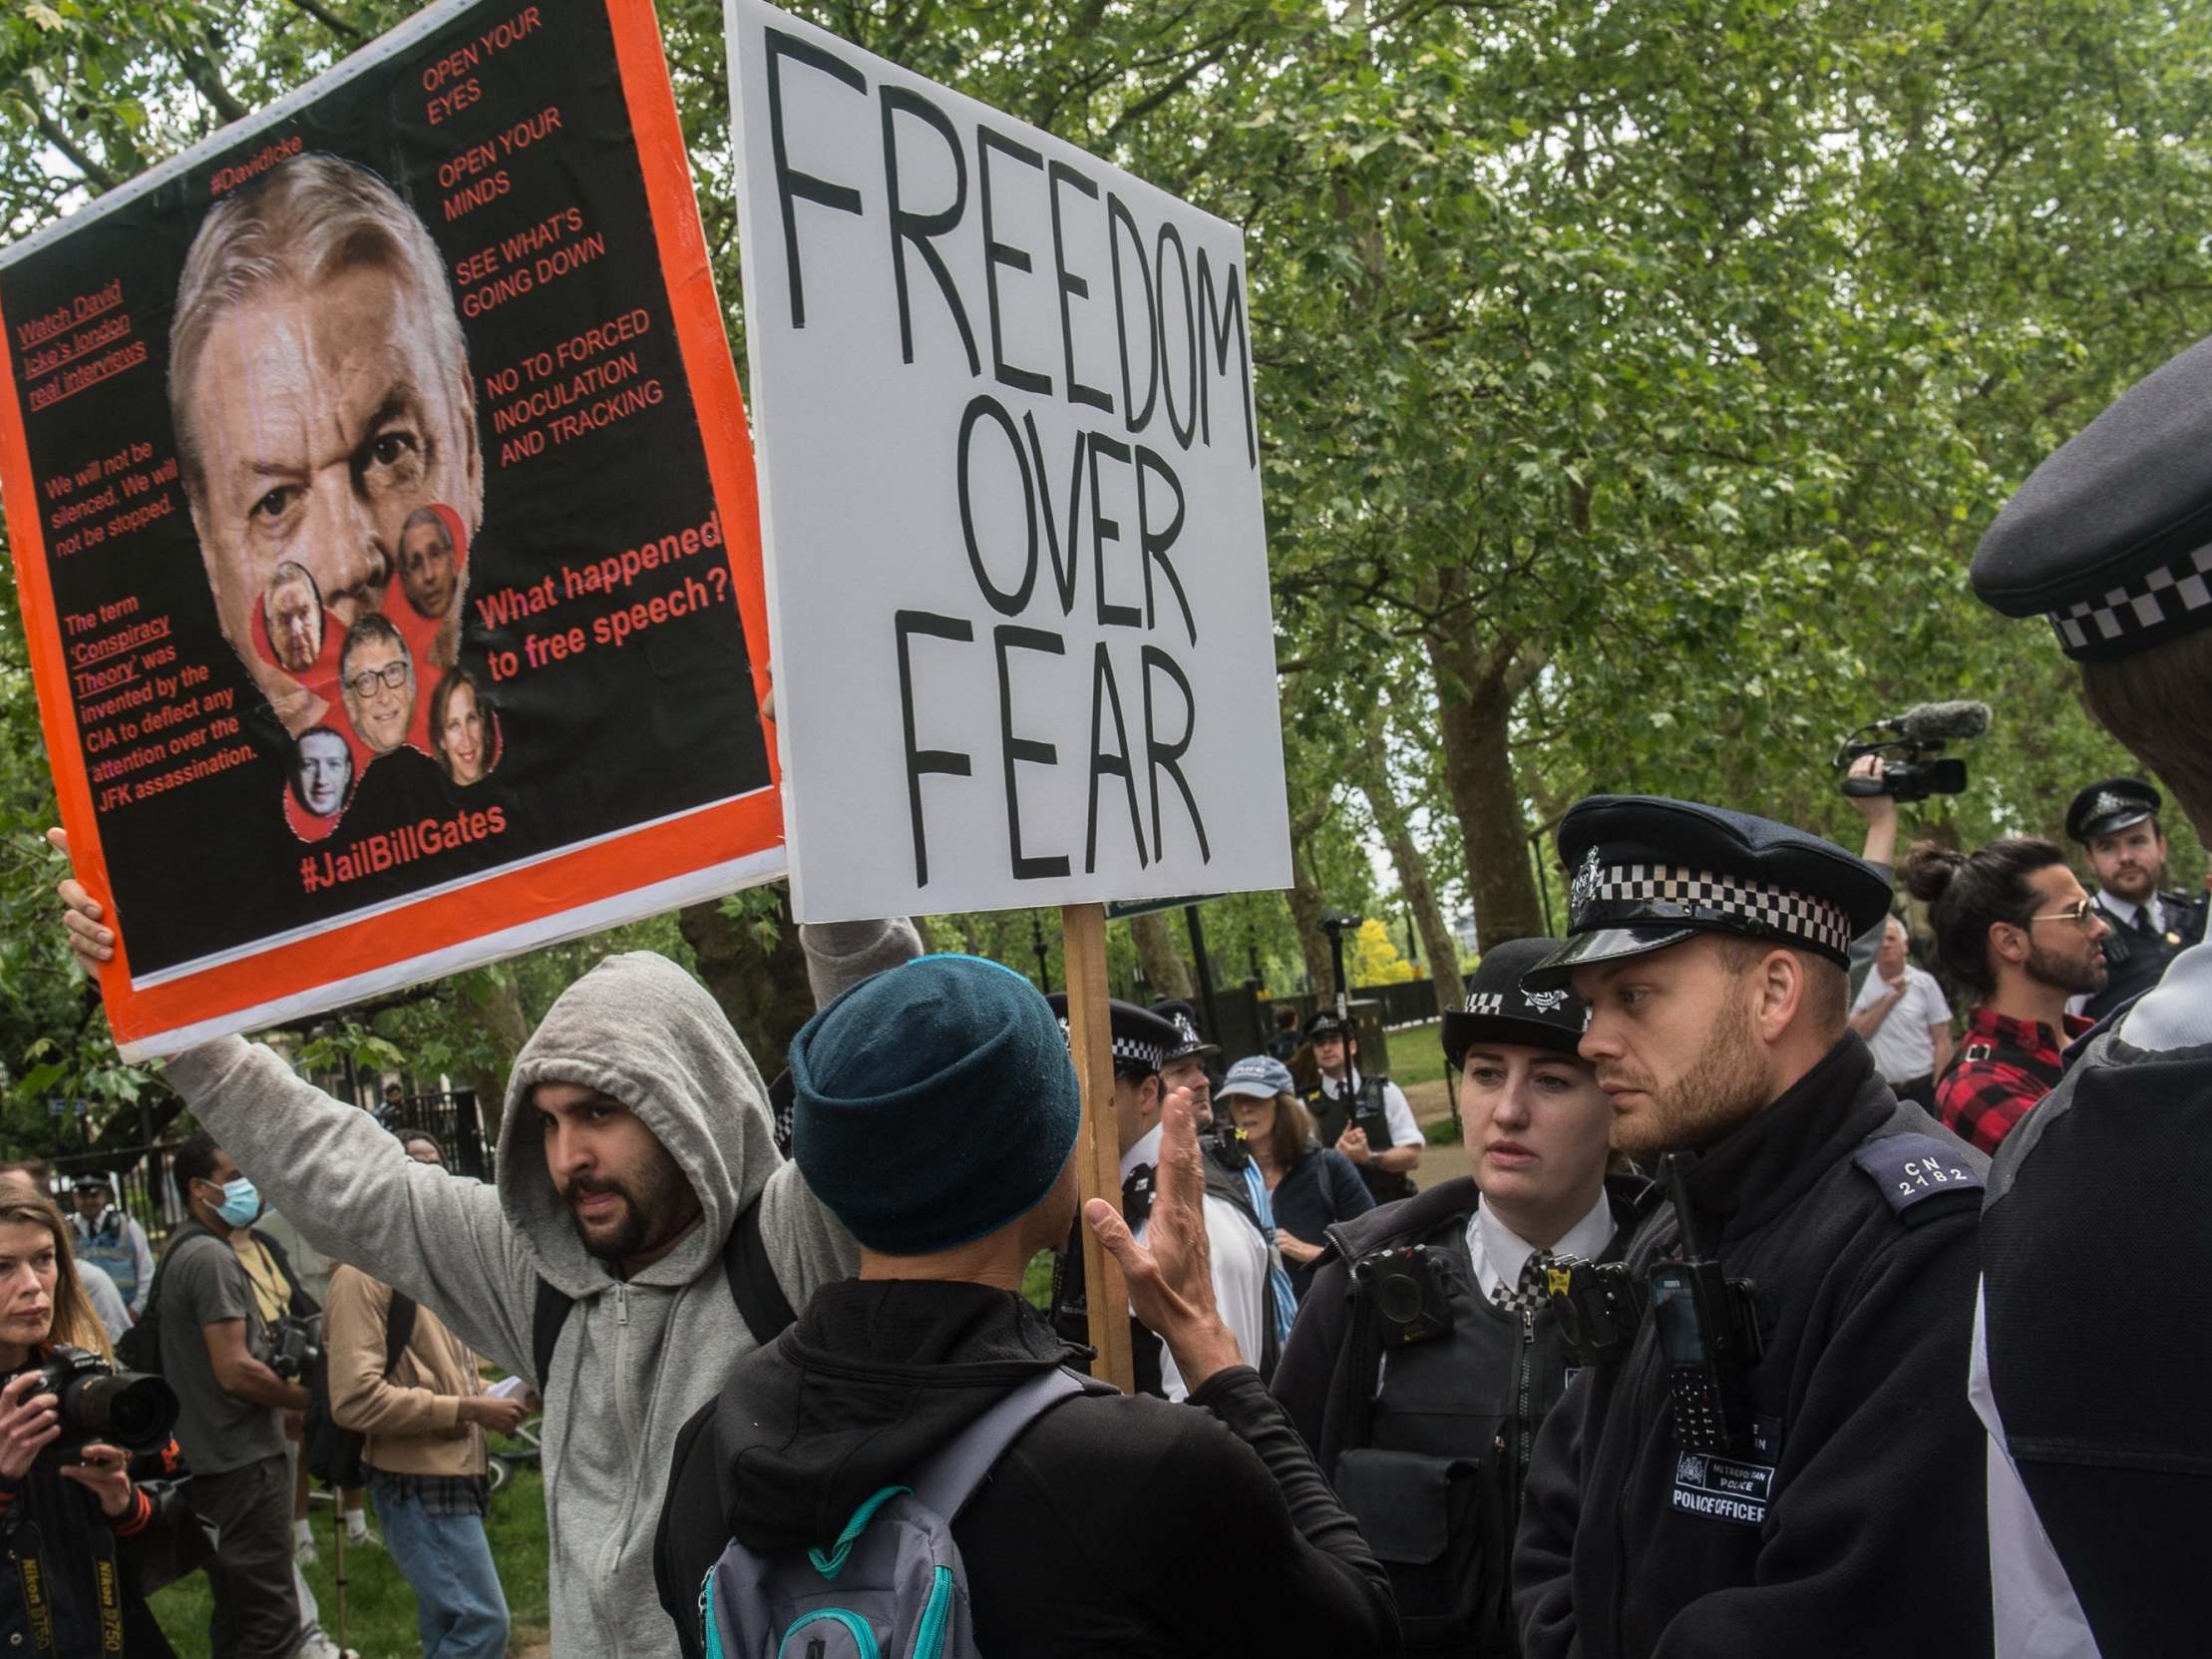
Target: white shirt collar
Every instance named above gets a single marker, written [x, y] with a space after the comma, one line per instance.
[1147, 1150]
[1336, 1088]
[1500, 1253]
[2125, 909]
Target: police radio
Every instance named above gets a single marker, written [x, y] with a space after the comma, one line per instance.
[1708, 1331]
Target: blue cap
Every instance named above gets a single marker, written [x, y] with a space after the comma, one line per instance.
[1262, 1075]
[933, 1103]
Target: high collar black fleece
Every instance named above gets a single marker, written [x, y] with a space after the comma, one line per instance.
[874, 1376]
[1766, 1163]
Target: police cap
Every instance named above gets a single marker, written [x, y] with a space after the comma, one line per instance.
[2111, 806]
[1650, 872]
[1324, 1019]
[1500, 1008]
[1184, 1018]
[1142, 1039]
[2110, 538]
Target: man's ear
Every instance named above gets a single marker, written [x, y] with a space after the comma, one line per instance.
[1783, 987]
[2008, 942]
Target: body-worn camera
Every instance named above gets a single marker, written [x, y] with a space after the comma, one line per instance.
[1708, 1331]
[295, 1346]
[1409, 1292]
[97, 1403]
[1598, 1308]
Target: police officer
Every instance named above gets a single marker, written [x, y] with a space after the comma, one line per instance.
[2116, 821]
[1243, 1260]
[2093, 1350]
[1365, 1119]
[1771, 1457]
[1188, 1061]
[1427, 1354]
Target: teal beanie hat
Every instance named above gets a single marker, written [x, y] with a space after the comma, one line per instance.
[933, 1103]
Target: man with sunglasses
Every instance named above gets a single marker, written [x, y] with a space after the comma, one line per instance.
[2012, 927]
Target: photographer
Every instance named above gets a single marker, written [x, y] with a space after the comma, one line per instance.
[68, 1525]
[231, 1408]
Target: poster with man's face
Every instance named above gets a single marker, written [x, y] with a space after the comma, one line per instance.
[383, 512]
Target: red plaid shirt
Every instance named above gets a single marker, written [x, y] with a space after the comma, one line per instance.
[2004, 1067]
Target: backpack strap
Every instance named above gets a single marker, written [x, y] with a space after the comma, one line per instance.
[753, 1286]
[948, 1478]
[760, 1299]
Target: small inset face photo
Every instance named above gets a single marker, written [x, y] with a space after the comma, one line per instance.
[323, 771]
[463, 730]
[291, 611]
[378, 679]
[427, 565]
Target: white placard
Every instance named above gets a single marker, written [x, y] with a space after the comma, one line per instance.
[1009, 493]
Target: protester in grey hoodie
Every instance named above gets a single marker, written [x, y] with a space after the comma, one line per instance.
[637, 1355]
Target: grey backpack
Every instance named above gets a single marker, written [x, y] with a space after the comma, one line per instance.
[892, 1585]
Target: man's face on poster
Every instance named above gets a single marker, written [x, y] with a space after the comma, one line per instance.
[294, 621]
[426, 565]
[379, 684]
[323, 419]
[325, 770]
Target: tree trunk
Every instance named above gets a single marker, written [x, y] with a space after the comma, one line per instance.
[1305, 910]
[764, 991]
[502, 1016]
[1163, 962]
[1372, 769]
[1475, 707]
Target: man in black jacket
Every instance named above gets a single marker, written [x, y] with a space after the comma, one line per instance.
[1777, 1461]
[2092, 1349]
[1423, 1412]
[1111, 1525]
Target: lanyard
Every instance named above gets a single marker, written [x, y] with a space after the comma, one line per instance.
[25, 1545]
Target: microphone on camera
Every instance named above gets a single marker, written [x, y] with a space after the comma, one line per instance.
[1940, 722]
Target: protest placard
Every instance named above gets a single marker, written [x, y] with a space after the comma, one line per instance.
[1010, 502]
[383, 514]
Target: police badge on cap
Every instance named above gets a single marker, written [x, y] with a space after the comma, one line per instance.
[1184, 1018]
[2108, 807]
[1142, 1039]
[1501, 1008]
[1651, 872]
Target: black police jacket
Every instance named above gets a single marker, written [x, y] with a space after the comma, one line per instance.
[2134, 961]
[1855, 1526]
[1428, 1444]
[1334, 1114]
[2098, 1334]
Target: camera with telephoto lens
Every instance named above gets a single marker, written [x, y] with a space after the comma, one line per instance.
[1406, 1288]
[1910, 744]
[295, 1346]
[97, 1403]
[1598, 1308]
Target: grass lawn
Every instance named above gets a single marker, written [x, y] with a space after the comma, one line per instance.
[1417, 1054]
[380, 1608]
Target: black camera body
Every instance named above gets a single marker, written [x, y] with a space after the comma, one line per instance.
[1910, 743]
[1409, 1293]
[295, 1345]
[1598, 1308]
[97, 1403]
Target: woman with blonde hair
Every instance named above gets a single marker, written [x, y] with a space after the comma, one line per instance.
[73, 1512]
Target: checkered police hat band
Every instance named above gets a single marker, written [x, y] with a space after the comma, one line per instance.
[1486, 1003]
[1626, 893]
[2158, 605]
[1128, 1050]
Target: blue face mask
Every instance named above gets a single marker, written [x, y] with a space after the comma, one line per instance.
[240, 1203]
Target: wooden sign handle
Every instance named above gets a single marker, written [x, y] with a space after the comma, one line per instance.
[1098, 1147]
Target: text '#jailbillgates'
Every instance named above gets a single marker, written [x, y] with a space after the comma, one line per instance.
[472, 666]
[1032, 660]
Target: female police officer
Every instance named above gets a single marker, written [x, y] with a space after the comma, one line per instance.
[1426, 1352]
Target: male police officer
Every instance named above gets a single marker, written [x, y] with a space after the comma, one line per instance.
[2092, 1348]
[1242, 1256]
[1775, 1460]
[2116, 822]
[1365, 1119]
[1426, 1354]
[1189, 1061]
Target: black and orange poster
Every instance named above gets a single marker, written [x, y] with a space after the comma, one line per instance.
[384, 519]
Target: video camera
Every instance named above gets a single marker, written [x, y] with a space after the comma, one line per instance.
[1408, 1290]
[295, 1345]
[96, 1402]
[1915, 739]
